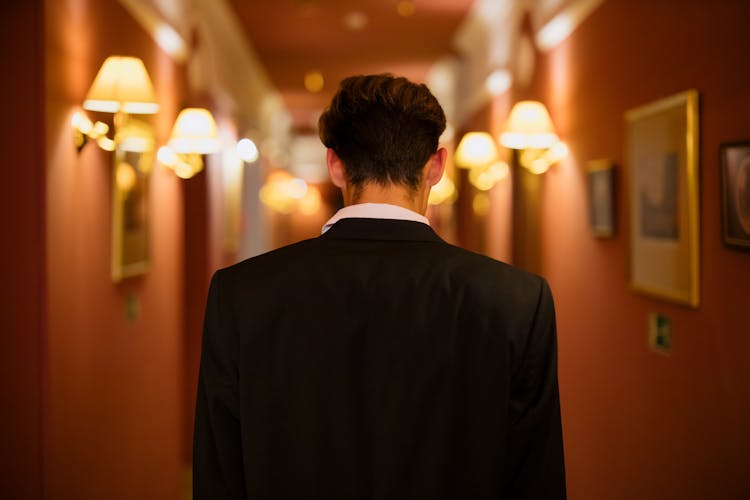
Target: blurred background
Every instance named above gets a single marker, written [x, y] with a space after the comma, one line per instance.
[176, 137]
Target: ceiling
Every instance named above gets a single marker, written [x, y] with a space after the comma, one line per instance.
[292, 37]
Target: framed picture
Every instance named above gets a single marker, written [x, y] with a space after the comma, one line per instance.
[735, 193]
[601, 180]
[130, 201]
[662, 165]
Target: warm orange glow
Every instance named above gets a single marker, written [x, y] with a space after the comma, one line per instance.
[485, 178]
[167, 156]
[184, 170]
[81, 122]
[529, 126]
[481, 204]
[476, 149]
[443, 192]
[564, 23]
[194, 131]
[538, 161]
[122, 84]
[106, 143]
[405, 8]
[247, 150]
[498, 81]
[296, 188]
[314, 81]
[134, 135]
[311, 202]
[171, 41]
[125, 176]
[538, 165]
[284, 194]
[356, 20]
[558, 151]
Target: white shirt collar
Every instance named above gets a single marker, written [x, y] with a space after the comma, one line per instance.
[375, 211]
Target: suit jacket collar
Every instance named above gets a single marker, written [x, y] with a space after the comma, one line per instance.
[381, 229]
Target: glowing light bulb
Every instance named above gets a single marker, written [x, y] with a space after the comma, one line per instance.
[167, 156]
[247, 150]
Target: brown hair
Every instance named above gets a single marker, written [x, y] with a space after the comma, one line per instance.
[383, 128]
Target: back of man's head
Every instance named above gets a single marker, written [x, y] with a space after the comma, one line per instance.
[383, 128]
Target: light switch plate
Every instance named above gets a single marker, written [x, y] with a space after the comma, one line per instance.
[132, 307]
[660, 333]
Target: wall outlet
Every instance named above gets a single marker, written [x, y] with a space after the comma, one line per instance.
[132, 307]
[660, 333]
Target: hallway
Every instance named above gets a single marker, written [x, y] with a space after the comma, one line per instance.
[105, 289]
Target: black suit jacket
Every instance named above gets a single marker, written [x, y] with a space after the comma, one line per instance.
[378, 362]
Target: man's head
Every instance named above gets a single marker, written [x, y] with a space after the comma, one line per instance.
[384, 129]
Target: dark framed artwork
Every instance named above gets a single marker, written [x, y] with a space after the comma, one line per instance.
[601, 187]
[662, 166]
[735, 193]
[130, 201]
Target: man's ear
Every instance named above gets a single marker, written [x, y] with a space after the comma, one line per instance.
[335, 169]
[436, 166]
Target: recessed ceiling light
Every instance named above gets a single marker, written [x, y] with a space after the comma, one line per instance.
[355, 20]
[314, 81]
[498, 81]
[405, 8]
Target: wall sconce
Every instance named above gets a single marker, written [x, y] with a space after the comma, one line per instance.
[122, 86]
[485, 178]
[443, 192]
[194, 134]
[529, 129]
[476, 149]
[284, 193]
[84, 130]
[477, 152]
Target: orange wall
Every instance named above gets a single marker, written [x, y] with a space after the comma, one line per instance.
[113, 416]
[22, 301]
[638, 424]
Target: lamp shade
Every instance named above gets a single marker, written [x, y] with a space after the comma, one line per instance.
[476, 149]
[194, 131]
[529, 126]
[122, 84]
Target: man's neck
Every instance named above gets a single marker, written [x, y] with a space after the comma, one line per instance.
[390, 194]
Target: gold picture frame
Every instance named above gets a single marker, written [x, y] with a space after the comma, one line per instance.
[134, 157]
[662, 164]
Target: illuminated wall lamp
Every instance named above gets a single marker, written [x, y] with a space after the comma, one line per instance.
[529, 129]
[193, 135]
[477, 152]
[84, 130]
[122, 86]
[443, 192]
[285, 194]
[476, 149]
[486, 177]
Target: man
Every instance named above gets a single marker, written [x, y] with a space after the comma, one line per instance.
[377, 361]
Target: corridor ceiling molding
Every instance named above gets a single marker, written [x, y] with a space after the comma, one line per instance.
[220, 62]
[489, 39]
[252, 57]
[292, 37]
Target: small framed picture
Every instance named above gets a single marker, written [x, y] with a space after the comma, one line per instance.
[601, 179]
[735, 193]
